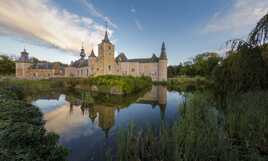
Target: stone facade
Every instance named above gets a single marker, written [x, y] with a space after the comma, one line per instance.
[103, 64]
[26, 68]
[106, 63]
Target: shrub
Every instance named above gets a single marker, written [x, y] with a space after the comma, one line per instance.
[123, 84]
[22, 133]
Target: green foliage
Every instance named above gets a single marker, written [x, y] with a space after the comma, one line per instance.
[22, 133]
[247, 120]
[202, 65]
[7, 66]
[203, 132]
[120, 84]
[242, 71]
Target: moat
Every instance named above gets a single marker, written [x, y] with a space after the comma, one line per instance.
[89, 132]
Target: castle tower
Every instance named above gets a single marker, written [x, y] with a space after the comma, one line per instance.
[162, 66]
[92, 62]
[106, 62]
[23, 64]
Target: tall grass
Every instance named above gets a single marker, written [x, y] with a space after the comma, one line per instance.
[205, 131]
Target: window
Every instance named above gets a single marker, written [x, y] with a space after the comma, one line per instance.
[109, 67]
[97, 69]
[132, 70]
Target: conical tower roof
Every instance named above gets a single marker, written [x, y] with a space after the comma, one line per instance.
[163, 54]
[106, 38]
[92, 54]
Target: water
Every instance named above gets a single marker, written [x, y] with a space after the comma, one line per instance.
[87, 132]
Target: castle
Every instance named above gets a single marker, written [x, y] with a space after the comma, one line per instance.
[103, 64]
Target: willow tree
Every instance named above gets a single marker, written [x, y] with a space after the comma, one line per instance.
[244, 67]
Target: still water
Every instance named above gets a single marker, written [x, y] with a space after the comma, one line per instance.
[88, 132]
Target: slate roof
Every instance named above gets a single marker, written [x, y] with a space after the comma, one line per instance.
[80, 63]
[122, 58]
[42, 66]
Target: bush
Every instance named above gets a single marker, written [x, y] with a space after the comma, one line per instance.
[122, 84]
[22, 133]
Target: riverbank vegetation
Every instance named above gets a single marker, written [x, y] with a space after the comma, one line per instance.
[22, 133]
[204, 131]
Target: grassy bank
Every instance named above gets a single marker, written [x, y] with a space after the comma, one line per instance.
[109, 84]
[205, 131]
[22, 133]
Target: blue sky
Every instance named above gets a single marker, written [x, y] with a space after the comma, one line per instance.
[54, 29]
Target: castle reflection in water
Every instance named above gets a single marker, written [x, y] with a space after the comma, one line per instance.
[100, 114]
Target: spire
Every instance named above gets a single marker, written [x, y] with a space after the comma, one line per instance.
[92, 54]
[82, 53]
[106, 38]
[163, 54]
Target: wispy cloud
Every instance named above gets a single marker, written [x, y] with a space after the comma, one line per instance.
[133, 10]
[42, 22]
[94, 12]
[138, 25]
[241, 16]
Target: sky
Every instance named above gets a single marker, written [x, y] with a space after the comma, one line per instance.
[55, 29]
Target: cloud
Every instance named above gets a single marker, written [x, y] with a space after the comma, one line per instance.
[40, 22]
[138, 25]
[242, 15]
[133, 10]
[94, 12]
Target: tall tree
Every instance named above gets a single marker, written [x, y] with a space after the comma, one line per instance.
[7, 66]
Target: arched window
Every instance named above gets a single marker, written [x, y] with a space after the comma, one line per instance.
[109, 67]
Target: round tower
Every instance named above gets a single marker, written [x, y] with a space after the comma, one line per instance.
[163, 64]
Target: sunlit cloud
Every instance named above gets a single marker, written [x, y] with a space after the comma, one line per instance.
[94, 12]
[240, 17]
[41, 23]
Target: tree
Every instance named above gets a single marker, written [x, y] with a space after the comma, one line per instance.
[7, 66]
[245, 67]
[205, 63]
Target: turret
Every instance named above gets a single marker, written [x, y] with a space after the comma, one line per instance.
[24, 56]
[163, 64]
[23, 64]
[82, 52]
